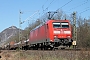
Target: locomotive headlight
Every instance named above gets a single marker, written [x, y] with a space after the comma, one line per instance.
[67, 32]
[56, 32]
[55, 36]
[68, 36]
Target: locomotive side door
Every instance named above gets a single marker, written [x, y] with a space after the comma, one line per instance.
[46, 32]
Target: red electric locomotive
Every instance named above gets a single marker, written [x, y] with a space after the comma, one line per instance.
[53, 33]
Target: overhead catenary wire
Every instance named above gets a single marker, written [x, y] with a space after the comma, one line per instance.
[86, 1]
[43, 5]
[66, 4]
[83, 3]
[29, 17]
[51, 3]
[84, 11]
[48, 6]
[44, 10]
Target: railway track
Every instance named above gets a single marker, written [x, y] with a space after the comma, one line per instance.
[50, 50]
[67, 49]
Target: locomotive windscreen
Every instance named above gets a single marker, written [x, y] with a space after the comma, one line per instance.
[60, 25]
[56, 25]
[64, 25]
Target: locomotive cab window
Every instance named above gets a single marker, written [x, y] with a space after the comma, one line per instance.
[64, 25]
[56, 25]
[60, 25]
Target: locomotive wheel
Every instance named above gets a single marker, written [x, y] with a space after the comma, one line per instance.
[45, 48]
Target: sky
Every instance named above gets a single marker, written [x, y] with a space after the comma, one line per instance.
[33, 9]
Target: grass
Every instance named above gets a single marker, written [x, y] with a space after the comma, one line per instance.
[47, 55]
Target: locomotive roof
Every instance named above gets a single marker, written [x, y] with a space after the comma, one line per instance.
[37, 27]
[58, 20]
[48, 22]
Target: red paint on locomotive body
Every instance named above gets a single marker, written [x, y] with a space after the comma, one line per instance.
[60, 29]
[52, 31]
